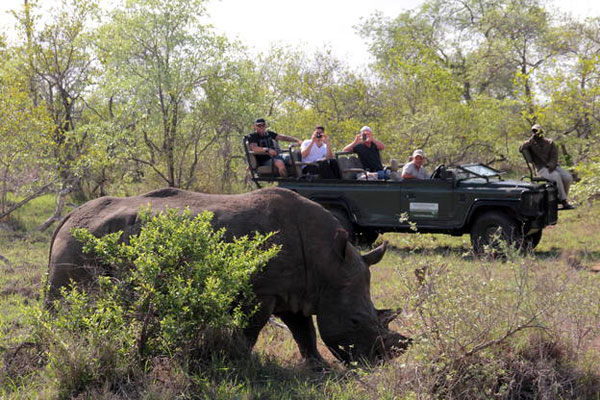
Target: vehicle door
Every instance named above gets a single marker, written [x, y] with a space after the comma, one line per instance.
[429, 202]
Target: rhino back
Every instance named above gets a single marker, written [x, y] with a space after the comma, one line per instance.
[304, 229]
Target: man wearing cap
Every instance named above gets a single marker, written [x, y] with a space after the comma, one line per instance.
[415, 169]
[368, 148]
[543, 153]
[261, 142]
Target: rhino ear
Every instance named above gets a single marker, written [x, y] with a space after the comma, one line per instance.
[340, 242]
[375, 255]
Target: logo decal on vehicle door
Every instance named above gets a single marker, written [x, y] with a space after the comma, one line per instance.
[424, 210]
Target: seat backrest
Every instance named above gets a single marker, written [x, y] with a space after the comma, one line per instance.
[250, 157]
[349, 165]
[297, 162]
[256, 170]
[529, 161]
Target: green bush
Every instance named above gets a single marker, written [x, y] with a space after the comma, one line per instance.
[588, 188]
[165, 293]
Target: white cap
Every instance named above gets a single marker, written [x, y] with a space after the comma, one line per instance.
[365, 128]
[418, 152]
[537, 128]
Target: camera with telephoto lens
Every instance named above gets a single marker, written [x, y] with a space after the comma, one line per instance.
[319, 135]
[364, 137]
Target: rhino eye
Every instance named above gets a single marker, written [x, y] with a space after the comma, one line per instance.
[355, 321]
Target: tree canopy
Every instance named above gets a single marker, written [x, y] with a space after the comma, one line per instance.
[146, 94]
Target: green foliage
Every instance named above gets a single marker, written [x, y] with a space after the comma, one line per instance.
[24, 128]
[165, 293]
[588, 188]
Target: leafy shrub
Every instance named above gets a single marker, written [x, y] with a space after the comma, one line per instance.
[588, 188]
[172, 289]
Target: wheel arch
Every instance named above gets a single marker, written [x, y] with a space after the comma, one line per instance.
[480, 208]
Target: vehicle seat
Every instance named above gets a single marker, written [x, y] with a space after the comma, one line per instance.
[297, 164]
[255, 170]
[529, 161]
[349, 164]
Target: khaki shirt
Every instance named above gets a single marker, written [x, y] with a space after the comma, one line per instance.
[544, 152]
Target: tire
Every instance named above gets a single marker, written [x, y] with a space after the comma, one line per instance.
[490, 229]
[531, 241]
[363, 237]
[342, 217]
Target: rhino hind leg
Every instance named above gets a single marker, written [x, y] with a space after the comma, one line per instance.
[303, 331]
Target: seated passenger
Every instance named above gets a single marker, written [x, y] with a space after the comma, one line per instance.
[544, 154]
[415, 169]
[368, 148]
[261, 142]
[317, 150]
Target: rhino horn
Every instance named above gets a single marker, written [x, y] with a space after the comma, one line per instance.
[375, 255]
[388, 315]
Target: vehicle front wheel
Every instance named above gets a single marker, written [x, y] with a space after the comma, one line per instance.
[533, 240]
[493, 228]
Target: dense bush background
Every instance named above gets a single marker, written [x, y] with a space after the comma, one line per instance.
[97, 101]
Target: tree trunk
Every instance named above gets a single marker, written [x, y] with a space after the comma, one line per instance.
[60, 205]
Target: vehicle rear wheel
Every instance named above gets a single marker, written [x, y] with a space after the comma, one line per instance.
[342, 217]
[491, 229]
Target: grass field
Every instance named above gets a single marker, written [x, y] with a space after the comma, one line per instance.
[523, 327]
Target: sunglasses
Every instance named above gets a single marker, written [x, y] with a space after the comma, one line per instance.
[261, 125]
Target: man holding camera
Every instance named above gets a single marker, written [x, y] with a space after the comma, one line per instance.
[368, 148]
[544, 154]
[317, 150]
[261, 141]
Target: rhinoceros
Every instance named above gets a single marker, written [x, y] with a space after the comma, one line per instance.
[317, 272]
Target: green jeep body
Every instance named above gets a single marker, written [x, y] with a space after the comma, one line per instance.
[471, 198]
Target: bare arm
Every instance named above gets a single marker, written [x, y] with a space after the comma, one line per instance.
[287, 138]
[350, 147]
[306, 151]
[379, 144]
[405, 173]
[262, 150]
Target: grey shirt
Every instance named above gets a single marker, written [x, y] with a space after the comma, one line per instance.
[411, 169]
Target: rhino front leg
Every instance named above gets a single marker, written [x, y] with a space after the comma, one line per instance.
[303, 331]
[259, 320]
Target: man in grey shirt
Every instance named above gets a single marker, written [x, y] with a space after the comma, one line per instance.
[415, 169]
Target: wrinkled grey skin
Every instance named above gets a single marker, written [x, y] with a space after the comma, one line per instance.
[317, 272]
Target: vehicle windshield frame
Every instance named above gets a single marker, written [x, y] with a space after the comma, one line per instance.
[475, 170]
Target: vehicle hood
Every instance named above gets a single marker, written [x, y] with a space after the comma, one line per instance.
[507, 185]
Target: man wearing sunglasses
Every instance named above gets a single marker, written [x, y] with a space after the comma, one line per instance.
[261, 142]
[544, 154]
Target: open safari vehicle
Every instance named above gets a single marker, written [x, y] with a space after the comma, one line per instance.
[470, 199]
